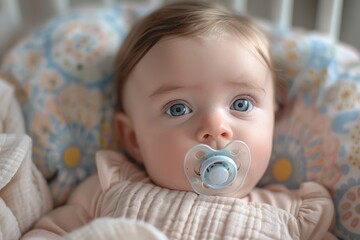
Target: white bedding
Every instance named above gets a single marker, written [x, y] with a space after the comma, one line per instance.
[24, 196]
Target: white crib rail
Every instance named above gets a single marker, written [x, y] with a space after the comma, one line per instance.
[10, 9]
[11, 23]
[240, 6]
[281, 12]
[16, 16]
[60, 6]
[329, 17]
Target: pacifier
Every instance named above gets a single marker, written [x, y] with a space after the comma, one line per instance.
[212, 172]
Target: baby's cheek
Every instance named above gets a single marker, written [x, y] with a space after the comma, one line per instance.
[166, 169]
[260, 160]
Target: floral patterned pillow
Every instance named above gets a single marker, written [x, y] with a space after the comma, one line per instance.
[317, 134]
[62, 74]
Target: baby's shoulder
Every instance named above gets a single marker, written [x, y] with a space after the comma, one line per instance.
[114, 167]
[310, 204]
[293, 200]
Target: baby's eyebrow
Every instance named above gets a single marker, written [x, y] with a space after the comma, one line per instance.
[165, 89]
[247, 85]
[170, 88]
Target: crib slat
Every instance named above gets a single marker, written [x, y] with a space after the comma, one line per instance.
[281, 13]
[11, 9]
[61, 6]
[328, 18]
[10, 24]
[240, 6]
[108, 2]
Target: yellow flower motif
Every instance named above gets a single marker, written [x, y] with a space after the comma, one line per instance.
[72, 156]
[282, 169]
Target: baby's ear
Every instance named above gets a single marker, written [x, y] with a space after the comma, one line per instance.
[126, 136]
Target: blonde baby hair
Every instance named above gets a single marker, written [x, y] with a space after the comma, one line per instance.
[185, 19]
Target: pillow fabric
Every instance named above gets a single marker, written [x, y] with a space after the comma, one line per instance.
[62, 74]
[317, 133]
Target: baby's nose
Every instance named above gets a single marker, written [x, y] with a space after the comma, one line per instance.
[214, 127]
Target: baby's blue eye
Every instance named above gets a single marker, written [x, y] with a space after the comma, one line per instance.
[178, 109]
[241, 105]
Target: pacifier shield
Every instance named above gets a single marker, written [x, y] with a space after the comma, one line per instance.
[212, 172]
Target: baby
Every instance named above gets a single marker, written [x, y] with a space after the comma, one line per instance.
[195, 116]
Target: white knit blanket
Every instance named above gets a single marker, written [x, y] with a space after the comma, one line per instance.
[24, 196]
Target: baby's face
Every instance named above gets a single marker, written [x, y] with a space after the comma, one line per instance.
[191, 90]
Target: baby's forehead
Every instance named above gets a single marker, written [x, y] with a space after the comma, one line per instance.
[253, 46]
[187, 55]
[193, 63]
